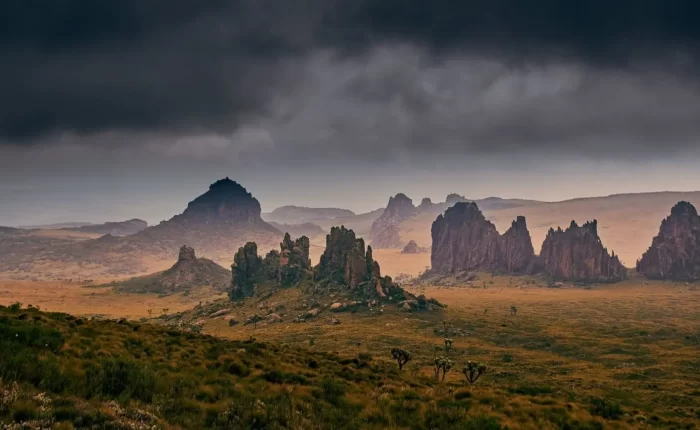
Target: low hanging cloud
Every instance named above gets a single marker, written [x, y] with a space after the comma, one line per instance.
[263, 81]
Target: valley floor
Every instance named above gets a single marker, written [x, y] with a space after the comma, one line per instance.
[606, 356]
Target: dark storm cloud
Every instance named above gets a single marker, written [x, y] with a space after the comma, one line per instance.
[362, 79]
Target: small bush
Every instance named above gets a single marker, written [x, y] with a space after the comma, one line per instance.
[23, 411]
[606, 409]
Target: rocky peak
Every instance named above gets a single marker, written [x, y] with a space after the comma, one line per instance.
[577, 254]
[186, 254]
[675, 251]
[228, 200]
[517, 253]
[385, 229]
[425, 205]
[464, 240]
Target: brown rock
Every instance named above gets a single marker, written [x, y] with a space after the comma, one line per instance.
[675, 252]
[517, 253]
[577, 254]
[413, 248]
[385, 229]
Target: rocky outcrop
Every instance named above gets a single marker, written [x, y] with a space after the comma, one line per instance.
[675, 251]
[346, 262]
[517, 252]
[247, 270]
[464, 240]
[413, 248]
[385, 230]
[577, 254]
[188, 273]
[294, 262]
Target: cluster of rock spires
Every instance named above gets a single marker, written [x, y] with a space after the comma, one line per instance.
[345, 264]
[385, 229]
[675, 251]
[464, 240]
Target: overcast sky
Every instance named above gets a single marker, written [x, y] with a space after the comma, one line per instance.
[130, 108]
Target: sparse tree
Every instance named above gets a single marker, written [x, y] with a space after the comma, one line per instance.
[438, 348]
[448, 345]
[165, 311]
[150, 312]
[513, 310]
[442, 364]
[402, 357]
[472, 371]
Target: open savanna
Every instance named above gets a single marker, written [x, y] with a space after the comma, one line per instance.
[634, 345]
[78, 299]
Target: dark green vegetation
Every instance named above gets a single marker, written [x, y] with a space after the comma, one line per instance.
[58, 370]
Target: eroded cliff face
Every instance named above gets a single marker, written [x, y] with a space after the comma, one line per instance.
[577, 254]
[675, 251]
[517, 253]
[385, 229]
[464, 240]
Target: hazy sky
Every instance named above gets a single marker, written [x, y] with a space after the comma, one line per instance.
[130, 108]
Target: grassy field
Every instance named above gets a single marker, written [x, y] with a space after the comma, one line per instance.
[603, 356]
[78, 299]
[633, 344]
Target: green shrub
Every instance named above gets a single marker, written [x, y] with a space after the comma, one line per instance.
[23, 411]
[606, 409]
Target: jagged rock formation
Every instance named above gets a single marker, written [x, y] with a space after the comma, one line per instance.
[247, 271]
[283, 268]
[294, 263]
[517, 252]
[577, 254]
[413, 248]
[306, 229]
[188, 273]
[463, 240]
[346, 262]
[385, 230]
[121, 228]
[675, 251]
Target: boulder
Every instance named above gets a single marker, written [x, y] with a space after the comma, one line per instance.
[413, 248]
[336, 306]
[335, 321]
[273, 318]
[312, 313]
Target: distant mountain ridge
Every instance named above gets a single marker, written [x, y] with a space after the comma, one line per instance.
[119, 228]
[215, 223]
